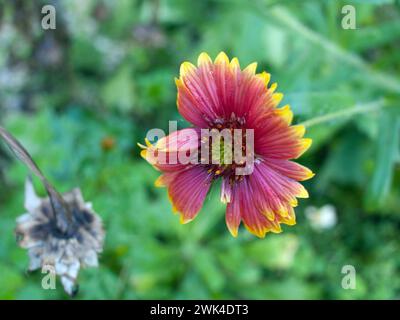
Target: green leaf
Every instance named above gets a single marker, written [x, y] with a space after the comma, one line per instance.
[387, 150]
[374, 36]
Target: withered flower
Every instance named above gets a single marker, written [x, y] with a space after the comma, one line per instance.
[61, 231]
[47, 245]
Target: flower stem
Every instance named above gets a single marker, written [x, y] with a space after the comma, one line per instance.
[61, 211]
[357, 109]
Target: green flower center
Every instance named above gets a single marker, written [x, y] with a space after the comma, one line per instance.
[221, 152]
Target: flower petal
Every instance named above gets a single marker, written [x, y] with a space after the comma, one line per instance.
[290, 169]
[265, 199]
[175, 151]
[233, 213]
[285, 113]
[212, 91]
[187, 190]
[198, 101]
[242, 207]
[274, 138]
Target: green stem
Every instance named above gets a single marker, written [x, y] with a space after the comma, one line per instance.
[357, 109]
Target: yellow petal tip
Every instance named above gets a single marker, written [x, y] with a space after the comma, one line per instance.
[203, 58]
[286, 113]
[303, 193]
[222, 58]
[310, 175]
[306, 143]
[148, 143]
[233, 232]
[299, 130]
[184, 220]
[235, 63]
[159, 182]
[270, 215]
[265, 76]
[186, 67]
[273, 87]
[277, 97]
[251, 68]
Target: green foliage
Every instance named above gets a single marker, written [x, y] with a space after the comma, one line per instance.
[387, 151]
[107, 73]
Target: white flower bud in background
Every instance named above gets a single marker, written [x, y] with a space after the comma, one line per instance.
[322, 218]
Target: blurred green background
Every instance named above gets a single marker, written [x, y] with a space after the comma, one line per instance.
[80, 97]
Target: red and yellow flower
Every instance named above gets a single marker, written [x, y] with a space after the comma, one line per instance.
[220, 95]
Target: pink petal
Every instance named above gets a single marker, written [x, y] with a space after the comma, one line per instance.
[175, 151]
[274, 138]
[187, 190]
[214, 91]
[290, 169]
[263, 200]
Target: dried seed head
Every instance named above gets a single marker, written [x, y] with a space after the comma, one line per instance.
[67, 251]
